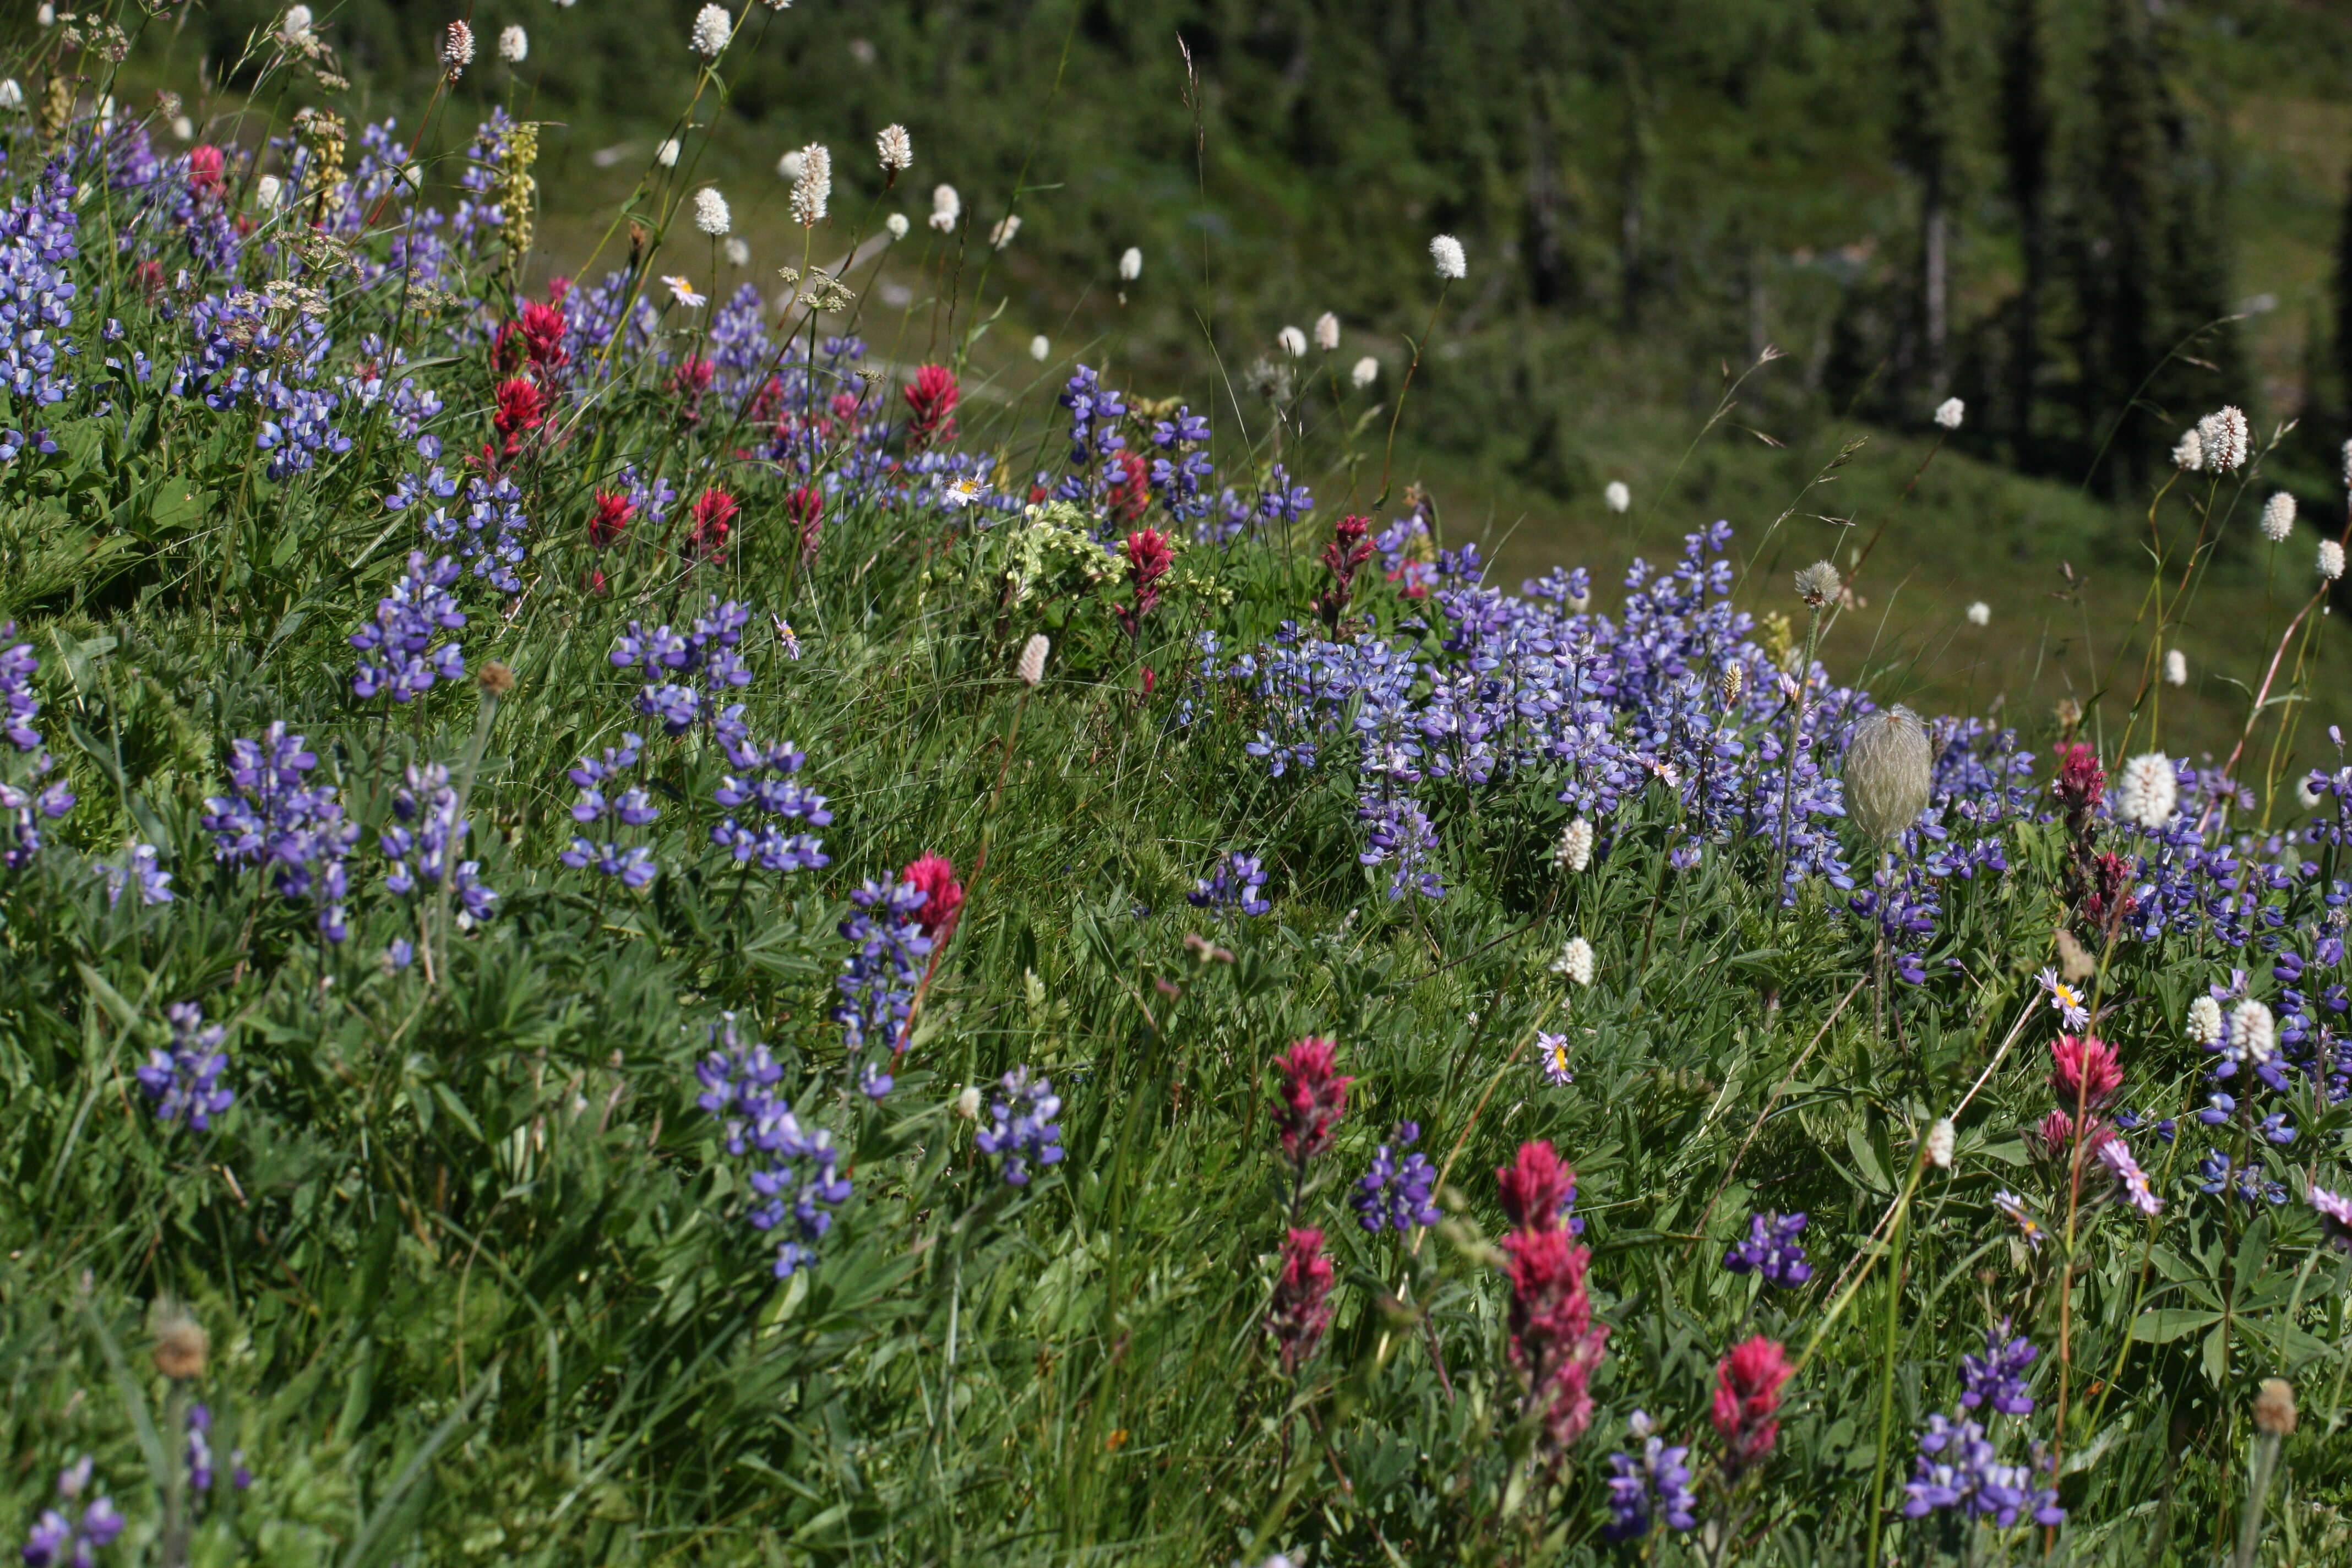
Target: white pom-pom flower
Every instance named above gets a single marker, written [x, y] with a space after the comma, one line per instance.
[710, 213]
[1367, 371]
[712, 28]
[1950, 412]
[2278, 517]
[1618, 495]
[2146, 790]
[1447, 252]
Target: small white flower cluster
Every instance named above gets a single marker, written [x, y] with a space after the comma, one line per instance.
[712, 28]
[1575, 851]
[2146, 790]
[2331, 559]
[897, 225]
[1447, 252]
[947, 209]
[1617, 495]
[812, 188]
[1326, 332]
[1130, 263]
[1941, 1137]
[710, 213]
[1006, 227]
[1979, 614]
[457, 48]
[1367, 371]
[2254, 1035]
[2205, 1021]
[514, 45]
[2278, 518]
[2176, 668]
[895, 149]
[1292, 341]
[1032, 667]
[1575, 962]
[2220, 445]
[1950, 412]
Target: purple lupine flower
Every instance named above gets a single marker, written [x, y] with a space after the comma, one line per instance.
[1657, 1484]
[27, 803]
[1023, 1131]
[200, 1448]
[1960, 1468]
[790, 1165]
[763, 785]
[58, 1542]
[1231, 883]
[877, 980]
[1997, 1376]
[184, 1080]
[1395, 1194]
[1772, 1250]
[397, 651]
[138, 865]
[275, 819]
[422, 846]
[604, 798]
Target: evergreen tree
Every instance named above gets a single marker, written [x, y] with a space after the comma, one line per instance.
[2116, 249]
[2025, 139]
[1923, 141]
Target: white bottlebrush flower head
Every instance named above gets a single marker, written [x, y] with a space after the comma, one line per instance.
[1293, 341]
[738, 249]
[1447, 252]
[457, 48]
[1979, 614]
[896, 225]
[1367, 371]
[2189, 452]
[2278, 517]
[1130, 263]
[2176, 668]
[1040, 348]
[2205, 1021]
[1326, 332]
[2146, 790]
[712, 28]
[1575, 960]
[2254, 1034]
[514, 45]
[1888, 762]
[1950, 412]
[12, 96]
[1575, 851]
[895, 149]
[1618, 495]
[1032, 667]
[813, 189]
[710, 213]
[1940, 1140]
[265, 190]
[2225, 440]
[2331, 560]
[667, 154]
[947, 209]
[1006, 227]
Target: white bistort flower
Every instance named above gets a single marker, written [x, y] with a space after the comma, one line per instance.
[1039, 348]
[1367, 371]
[1950, 412]
[1293, 341]
[813, 189]
[2146, 790]
[896, 225]
[947, 209]
[710, 213]
[2205, 1021]
[2254, 1035]
[294, 27]
[2278, 517]
[1447, 252]
[1575, 851]
[895, 149]
[514, 45]
[2224, 440]
[667, 154]
[2331, 560]
[1941, 1139]
[738, 250]
[1326, 332]
[1575, 960]
[2176, 668]
[1618, 495]
[12, 96]
[788, 167]
[265, 190]
[1032, 667]
[1006, 227]
[1979, 614]
[457, 48]
[712, 27]
[183, 128]
[1130, 263]
[2189, 452]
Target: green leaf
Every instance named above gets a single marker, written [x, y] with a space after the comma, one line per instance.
[2168, 1323]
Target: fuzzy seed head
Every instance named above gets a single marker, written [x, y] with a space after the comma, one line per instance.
[1888, 764]
[1446, 251]
[497, 679]
[1950, 412]
[180, 1346]
[1032, 667]
[2274, 1407]
[2278, 517]
[1819, 583]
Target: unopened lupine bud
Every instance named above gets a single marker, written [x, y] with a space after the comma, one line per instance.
[1887, 766]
